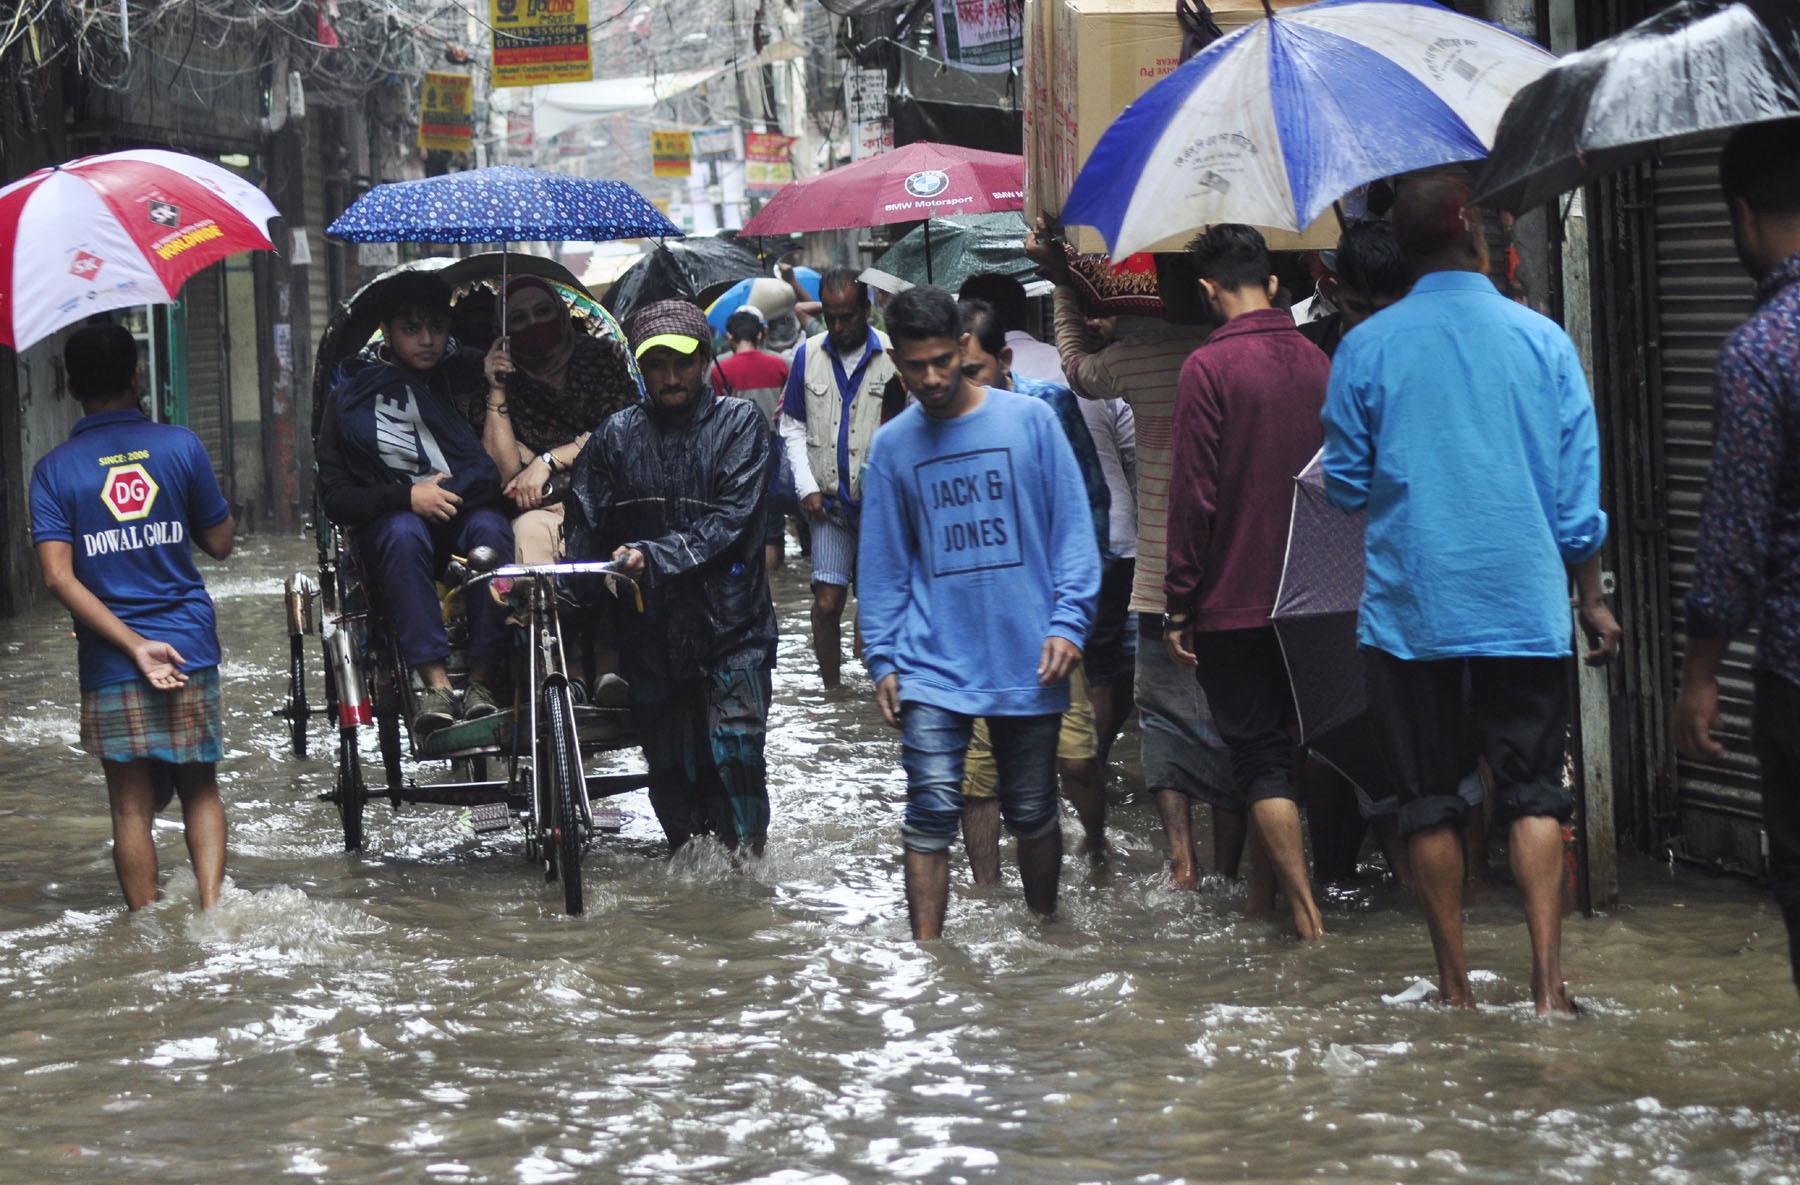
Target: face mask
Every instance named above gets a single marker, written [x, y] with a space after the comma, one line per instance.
[537, 338]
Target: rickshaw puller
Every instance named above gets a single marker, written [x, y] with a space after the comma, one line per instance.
[399, 462]
[675, 490]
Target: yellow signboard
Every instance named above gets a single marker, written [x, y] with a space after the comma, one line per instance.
[539, 42]
[447, 112]
[671, 154]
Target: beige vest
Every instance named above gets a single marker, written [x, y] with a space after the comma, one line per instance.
[825, 414]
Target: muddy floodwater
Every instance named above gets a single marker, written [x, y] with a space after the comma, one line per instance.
[425, 1012]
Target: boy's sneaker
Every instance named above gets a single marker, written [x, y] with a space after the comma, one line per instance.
[437, 709]
[478, 701]
[612, 692]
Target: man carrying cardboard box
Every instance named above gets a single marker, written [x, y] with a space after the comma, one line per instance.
[1184, 758]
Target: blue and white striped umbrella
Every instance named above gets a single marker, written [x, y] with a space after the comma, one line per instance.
[502, 204]
[1276, 121]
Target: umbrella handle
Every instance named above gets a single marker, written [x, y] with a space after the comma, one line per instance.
[500, 305]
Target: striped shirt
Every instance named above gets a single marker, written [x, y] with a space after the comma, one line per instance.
[1142, 367]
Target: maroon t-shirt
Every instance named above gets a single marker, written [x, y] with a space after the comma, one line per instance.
[1246, 421]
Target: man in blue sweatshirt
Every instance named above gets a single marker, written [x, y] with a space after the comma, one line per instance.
[978, 577]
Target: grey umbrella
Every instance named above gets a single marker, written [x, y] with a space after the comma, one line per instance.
[947, 251]
[1698, 66]
[1315, 620]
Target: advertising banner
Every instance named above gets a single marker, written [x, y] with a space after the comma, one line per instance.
[767, 164]
[539, 42]
[671, 153]
[981, 35]
[871, 139]
[521, 133]
[447, 112]
[866, 95]
[712, 144]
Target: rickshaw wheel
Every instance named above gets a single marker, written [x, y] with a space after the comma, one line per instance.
[351, 793]
[297, 709]
[565, 770]
[387, 730]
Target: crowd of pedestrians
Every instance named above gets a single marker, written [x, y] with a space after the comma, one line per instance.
[1042, 537]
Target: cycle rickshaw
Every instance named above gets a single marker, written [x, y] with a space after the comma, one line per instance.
[528, 761]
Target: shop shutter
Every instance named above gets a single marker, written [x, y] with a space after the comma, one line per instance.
[1702, 295]
[318, 272]
[208, 412]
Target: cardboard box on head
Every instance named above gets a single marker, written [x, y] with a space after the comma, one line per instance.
[1085, 62]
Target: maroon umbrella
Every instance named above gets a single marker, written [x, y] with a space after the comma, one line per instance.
[1315, 619]
[909, 184]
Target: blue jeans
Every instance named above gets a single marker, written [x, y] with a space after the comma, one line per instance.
[932, 743]
[402, 555]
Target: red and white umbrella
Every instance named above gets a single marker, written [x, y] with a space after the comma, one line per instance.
[107, 232]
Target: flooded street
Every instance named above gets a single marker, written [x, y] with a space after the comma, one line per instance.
[425, 1011]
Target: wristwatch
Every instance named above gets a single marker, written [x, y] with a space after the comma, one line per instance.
[549, 459]
[1173, 622]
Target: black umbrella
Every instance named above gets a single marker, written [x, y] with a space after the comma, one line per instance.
[696, 269]
[1699, 66]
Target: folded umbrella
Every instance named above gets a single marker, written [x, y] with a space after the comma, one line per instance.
[111, 231]
[1273, 123]
[1699, 66]
[1315, 621]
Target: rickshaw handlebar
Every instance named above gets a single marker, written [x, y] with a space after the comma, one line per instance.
[572, 568]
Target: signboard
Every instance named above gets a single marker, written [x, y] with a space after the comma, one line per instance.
[521, 133]
[447, 112]
[871, 139]
[715, 144]
[865, 95]
[767, 165]
[671, 153]
[981, 35]
[378, 254]
[539, 42]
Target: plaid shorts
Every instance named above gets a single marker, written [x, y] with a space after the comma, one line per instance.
[129, 721]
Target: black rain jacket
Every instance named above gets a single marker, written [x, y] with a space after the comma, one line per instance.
[691, 496]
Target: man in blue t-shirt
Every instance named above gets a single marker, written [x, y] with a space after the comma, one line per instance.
[1460, 423]
[979, 572]
[112, 511]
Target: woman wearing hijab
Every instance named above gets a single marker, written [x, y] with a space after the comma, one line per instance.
[549, 386]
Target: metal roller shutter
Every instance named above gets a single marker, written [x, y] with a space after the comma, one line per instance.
[1702, 295]
[208, 412]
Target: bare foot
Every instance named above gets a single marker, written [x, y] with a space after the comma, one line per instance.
[1308, 923]
[1096, 852]
[1458, 995]
[1183, 877]
[1557, 1003]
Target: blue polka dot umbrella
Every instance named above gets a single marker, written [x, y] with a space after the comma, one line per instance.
[502, 204]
